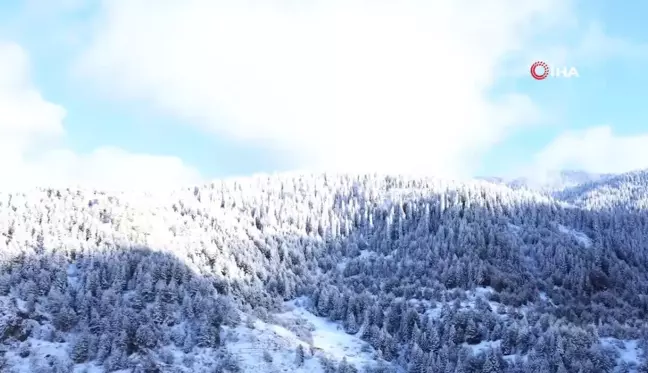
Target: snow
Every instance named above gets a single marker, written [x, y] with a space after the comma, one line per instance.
[280, 337]
[248, 347]
[514, 228]
[39, 351]
[629, 350]
[72, 276]
[482, 346]
[579, 236]
[327, 338]
[543, 296]
[91, 368]
[364, 254]
[468, 303]
[330, 337]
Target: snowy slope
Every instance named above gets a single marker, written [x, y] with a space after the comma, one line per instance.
[382, 252]
[249, 344]
[551, 182]
[281, 338]
[578, 236]
[628, 190]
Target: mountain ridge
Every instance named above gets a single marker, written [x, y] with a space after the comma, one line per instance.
[431, 274]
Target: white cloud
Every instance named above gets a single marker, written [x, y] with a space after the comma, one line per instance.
[371, 85]
[596, 149]
[30, 128]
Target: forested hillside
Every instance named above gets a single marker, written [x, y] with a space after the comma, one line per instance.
[620, 191]
[433, 275]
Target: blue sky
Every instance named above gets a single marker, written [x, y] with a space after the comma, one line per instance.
[221, 90]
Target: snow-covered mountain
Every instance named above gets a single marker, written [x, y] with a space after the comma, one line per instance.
[627, 190]
[552, 181]
[328, 273]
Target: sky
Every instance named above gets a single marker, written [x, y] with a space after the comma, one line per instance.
[145, 94]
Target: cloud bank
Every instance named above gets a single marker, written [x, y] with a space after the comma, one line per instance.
[595, 149]
[344, 85]
[31, 129]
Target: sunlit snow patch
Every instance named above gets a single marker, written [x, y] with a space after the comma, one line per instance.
[628, 350]
[329, 337]
[326, 338]
[248, 347]
[579, 236]
[514, 228]
[40, 353]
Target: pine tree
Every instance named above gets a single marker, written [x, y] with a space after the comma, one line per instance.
[491, 364]
[299, 356]
[80, 348]
[350, 324]
[189, 341]
[103, 347]
[4, 285]
[417, 360]
[345, 367]
[145, 336]
[624, 367]
[472, 333]
[561, 368]
[116, 360]
[435, 340]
